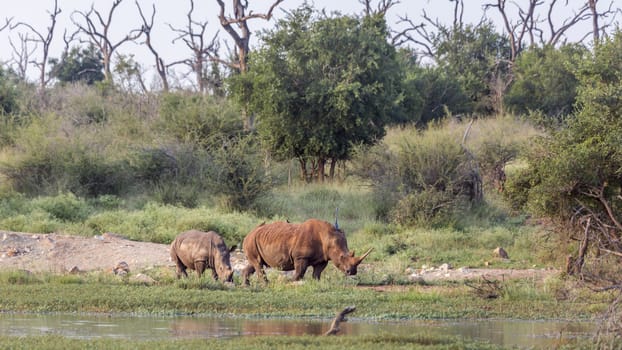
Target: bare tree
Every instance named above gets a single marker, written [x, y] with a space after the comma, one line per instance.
[97, 29]
[413, 33]
[381, 8]
[7, 24]
[242, 36]
[525, 25]
[528, 24]
[193, 35]
[607, 15]
[419, 34]
[147, 27]
[21, 55]
[45, 39]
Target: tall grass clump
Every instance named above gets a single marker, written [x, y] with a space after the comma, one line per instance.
[420, 176]
[311, 200]
[436, 175]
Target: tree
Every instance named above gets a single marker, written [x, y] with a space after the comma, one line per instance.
[8, 94]
[97, 29]
[544, 81]
[320, 85]
[574, 175]
[130, 74]
[527, 29]
[477, 57]
[146, 28]
[242, 36]
[193, 35]
[79, 64]
[429, 93]
[46, 42]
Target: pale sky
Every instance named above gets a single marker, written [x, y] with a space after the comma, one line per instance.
[126, 17]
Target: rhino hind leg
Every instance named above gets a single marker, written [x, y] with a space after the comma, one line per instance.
[246, 272]
[181, 268]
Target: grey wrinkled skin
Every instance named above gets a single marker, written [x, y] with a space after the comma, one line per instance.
[197, 250]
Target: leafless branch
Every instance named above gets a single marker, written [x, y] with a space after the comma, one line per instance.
[381, 8]
[341, 317]
[7, 24]
[21, 54]
[46, 40]
[146, 28]
[415, 33]
[97, 29]
[242, 36]
[193, 36]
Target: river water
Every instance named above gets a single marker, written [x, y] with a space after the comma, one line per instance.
[509, 333]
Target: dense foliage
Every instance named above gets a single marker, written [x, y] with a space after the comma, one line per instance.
[78, 65]
[430, 93]
[321, 85]
[477, 57]
[574, 174]
[545, 81]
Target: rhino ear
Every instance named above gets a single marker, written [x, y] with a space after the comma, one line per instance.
[233, 248]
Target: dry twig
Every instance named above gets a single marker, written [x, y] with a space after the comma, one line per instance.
[341, 317]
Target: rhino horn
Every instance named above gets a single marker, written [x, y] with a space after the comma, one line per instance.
[336, 221]
[364, 255]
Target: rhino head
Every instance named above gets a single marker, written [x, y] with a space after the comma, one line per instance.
[222, 264]
[348, 263]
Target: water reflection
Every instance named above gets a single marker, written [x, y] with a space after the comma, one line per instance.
[523, 334]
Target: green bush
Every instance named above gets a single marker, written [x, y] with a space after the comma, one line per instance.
[198, 119]
[418, 176]
[237, 174]
[64, 207]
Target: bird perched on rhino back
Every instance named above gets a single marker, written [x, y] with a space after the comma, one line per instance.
[291, 246]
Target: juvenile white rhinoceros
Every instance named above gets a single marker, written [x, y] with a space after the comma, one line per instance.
[197, 250]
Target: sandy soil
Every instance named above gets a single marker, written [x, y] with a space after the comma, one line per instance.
[63, 253]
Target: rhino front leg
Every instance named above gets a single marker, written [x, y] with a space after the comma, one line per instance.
[199, 266]
[300, 266]
[317, 270]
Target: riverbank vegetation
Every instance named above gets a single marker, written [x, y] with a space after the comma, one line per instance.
[415, 342]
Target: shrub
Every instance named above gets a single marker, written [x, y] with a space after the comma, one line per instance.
[236, 172]
[420, 175]
[64, 207]
[198, 119]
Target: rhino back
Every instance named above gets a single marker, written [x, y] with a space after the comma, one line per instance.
[196, 245]
[272, 244]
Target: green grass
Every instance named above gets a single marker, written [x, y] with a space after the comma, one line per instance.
[99, 292]
[417, 341]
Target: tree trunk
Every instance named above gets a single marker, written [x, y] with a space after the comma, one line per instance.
[321, 163]
[331, 172]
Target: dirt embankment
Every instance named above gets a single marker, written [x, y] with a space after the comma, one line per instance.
[63, 253]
